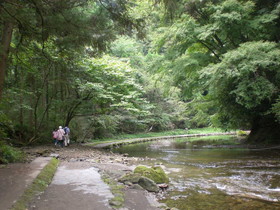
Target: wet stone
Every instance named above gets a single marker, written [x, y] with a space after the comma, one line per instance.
[148, 184]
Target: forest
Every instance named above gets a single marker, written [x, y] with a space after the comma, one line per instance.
[105, 67]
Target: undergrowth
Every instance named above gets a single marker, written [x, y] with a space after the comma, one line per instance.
[9, 154]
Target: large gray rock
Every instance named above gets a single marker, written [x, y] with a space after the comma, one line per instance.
[148, 184]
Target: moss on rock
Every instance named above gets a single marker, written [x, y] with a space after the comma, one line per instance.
[130, 177]
[156, 174]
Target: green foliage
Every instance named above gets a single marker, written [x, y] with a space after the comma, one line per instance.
[276, 109]
[207, 62]
[10, 154]
[166, 109]
[125, 47]
[200, 112]
[223, 56]
[246, 81]
[49, 43]
[114, 97]
[5, 126]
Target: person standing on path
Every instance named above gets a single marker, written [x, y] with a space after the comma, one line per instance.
[55, 135]
[60, 136]
[66, 136]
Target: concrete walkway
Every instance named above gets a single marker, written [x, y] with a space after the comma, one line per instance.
[76, 185]
[15, 178]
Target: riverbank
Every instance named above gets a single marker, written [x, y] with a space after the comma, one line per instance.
[110, 166]
[118, 143]
[90, 161]
[216, 172]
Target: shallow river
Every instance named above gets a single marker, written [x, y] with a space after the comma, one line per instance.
[206, 173]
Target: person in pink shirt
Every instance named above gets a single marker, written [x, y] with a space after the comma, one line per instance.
[60, 136]
[55, 135]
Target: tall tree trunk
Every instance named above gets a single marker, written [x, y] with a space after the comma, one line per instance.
[47, 100]
[4, 52]
[21, 101]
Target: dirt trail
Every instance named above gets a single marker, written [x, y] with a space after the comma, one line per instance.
[15, 178]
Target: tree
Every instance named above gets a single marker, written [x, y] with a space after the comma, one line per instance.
[108, 97]
[245, 86]
[46, 41]
[69, 24]
[4, 52]
[167, 111]
[210, 33]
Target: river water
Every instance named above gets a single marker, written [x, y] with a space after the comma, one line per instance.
[214, 173]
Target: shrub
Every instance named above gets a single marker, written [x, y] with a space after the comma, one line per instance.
[9, 154]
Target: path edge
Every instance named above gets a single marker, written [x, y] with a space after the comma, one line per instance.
[39, 184]
[138, 140]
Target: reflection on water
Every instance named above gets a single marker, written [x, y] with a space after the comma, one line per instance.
[209, 174]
